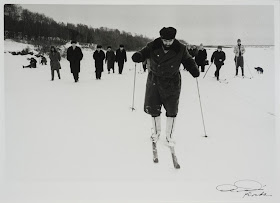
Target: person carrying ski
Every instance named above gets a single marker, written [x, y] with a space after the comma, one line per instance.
[218, 57]
[163, 86]
[239, 51]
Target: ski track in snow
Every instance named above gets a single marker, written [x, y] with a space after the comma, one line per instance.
[80, 141]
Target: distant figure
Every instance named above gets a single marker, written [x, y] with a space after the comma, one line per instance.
[55, 62]
[43, 60]
[144, 63]
[33, 63]
[74, 56]
[218, 57]
[110, 59]
[193, 51]
[239, 50]
[201, 58]
[99, 57]
[121, 58]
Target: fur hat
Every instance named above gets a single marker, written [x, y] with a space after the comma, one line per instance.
[219, 47]
[168, 33]
[73, 42]
[99, 46]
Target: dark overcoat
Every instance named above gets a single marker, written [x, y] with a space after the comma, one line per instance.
[218, 58]
[201, 57]
[55, 60]
[164, 79]
[121, 56]
[110, 58]
[74, 56]
[99, 58]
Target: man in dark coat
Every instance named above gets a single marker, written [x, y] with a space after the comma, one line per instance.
[163, 87]
[193, 51]
[218, 57]
[99, 57]
[201, 57]
[74, 56]
[121, 58]
[110, 59]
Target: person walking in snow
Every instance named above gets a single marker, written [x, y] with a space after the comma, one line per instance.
[163, 87]
[54, 62]
[74, 56]
[218, 57]
[99, 57]
[110, 59]
[201, 57]
[239, 51]
[121, 58]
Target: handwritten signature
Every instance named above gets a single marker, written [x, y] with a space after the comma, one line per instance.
[251, 188]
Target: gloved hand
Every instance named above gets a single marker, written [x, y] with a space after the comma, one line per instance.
[136, 57]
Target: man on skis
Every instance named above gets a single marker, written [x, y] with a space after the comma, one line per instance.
[163, 87]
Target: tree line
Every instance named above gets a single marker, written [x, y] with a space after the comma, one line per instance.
[34, 27]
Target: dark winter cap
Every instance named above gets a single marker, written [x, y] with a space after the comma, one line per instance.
[73, 42]
[239, 40]
[219, 47]
[121, 45]
[99, 46]
[168, 33]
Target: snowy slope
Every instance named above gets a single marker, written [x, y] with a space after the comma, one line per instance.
[73, 142]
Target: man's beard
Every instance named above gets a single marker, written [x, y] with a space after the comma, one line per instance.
[166, 47]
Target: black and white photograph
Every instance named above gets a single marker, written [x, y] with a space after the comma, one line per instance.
[145, 101]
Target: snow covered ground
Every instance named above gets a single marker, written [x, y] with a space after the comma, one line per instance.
[80, 142]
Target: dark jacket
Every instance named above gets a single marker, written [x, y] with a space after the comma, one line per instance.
[55, 60]
[218, 57]
[33, 62]
[193, 52]
[168, 65]
[121, 56]
[110, 57]
[201, 57]
[74, 57]
[99, 58]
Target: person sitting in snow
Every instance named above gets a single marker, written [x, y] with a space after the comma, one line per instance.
[33, 63]
[163, 87]
[218, 57]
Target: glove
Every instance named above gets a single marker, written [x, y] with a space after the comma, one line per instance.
[136, 57]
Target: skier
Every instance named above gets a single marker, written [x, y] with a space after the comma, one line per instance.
[121, 58]
[32, 64]
[110, 59]
[201, 57]
[239, 51]
[55, 61]
[74, 56]
[218, 57]
[99, 57]
[164, 79]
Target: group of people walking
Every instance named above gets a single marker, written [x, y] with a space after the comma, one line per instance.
[218, 57]
[75, 55]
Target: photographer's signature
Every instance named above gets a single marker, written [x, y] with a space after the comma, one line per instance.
[250, 188]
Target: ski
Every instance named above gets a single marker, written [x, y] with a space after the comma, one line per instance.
[174, 158]
[155, 154]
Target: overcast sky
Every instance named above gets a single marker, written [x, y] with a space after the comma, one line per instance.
[214, 24]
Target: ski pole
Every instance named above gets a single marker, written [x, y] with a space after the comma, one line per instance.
[248, 68]
[201, 109]
[132, 108]
[207, 70]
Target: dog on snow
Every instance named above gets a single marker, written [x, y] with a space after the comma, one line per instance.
[259, 70]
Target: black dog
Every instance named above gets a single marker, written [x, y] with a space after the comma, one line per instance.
[259, 70]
